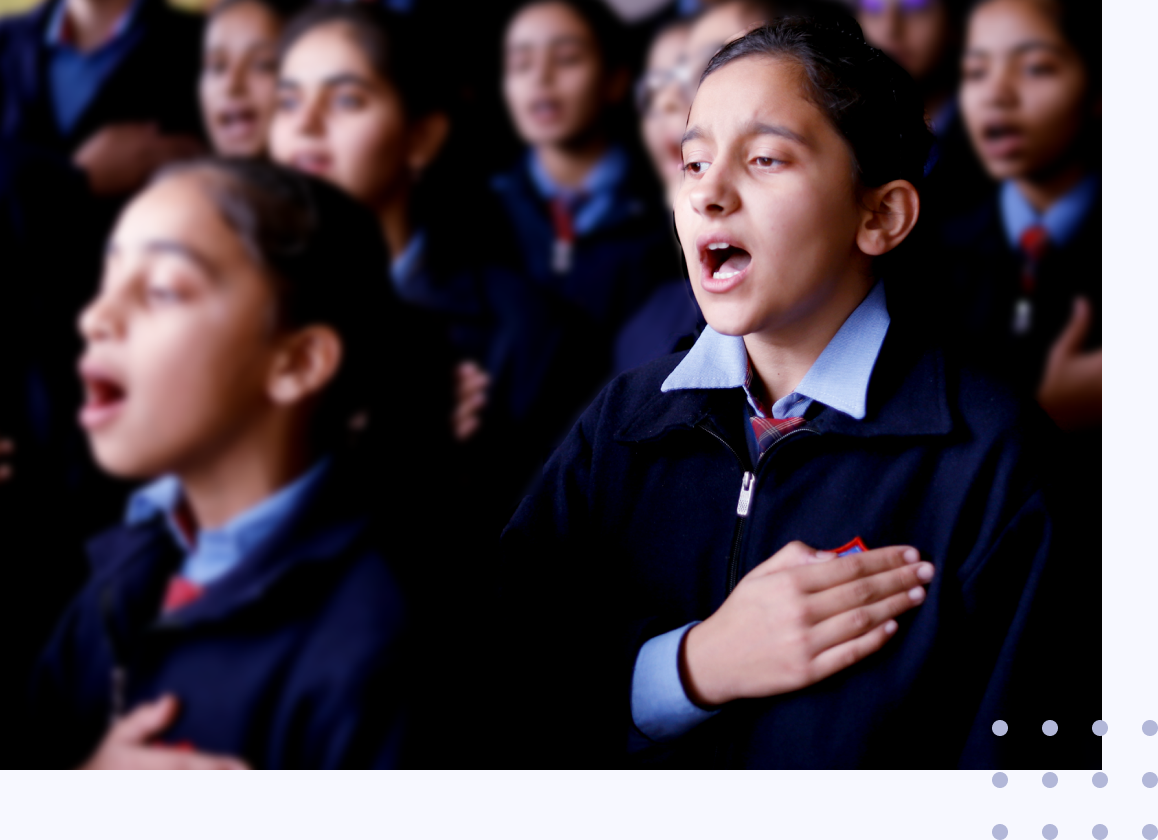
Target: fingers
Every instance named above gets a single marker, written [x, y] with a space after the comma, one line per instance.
[145, 722]
[908, 579]
[7, 447]
[471, 384]
[820, 576]
[851, 624]
[844, 655]
[793, 554]
[1070, 342]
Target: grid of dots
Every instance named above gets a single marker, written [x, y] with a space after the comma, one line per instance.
[1100, 780]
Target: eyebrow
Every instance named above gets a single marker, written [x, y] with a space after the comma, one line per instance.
[754, 127]
[329, 81]
[1023, 47]
[558, 40]
[171, 247]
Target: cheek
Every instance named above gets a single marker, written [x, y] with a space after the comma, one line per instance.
[369, 155]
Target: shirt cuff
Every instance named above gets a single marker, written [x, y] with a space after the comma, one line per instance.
[659, 705]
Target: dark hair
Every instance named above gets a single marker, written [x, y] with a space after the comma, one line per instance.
[283, 10]
[869, 99]
[388, 41]
[610, 37]
[325, 255]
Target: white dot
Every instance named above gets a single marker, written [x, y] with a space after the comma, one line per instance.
[1000, 727]
[1049, 727]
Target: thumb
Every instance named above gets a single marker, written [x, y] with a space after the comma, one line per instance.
[146, 721]
[794, 554]
[1070, 342]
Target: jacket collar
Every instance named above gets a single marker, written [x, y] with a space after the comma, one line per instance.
[325, 529]
[907, 396]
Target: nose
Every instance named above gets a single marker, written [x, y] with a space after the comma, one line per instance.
[999, 88]
[713, 193]
[309, 119]
[98, 321]
[235, 79]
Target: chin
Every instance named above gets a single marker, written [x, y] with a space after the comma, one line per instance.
[126, 462]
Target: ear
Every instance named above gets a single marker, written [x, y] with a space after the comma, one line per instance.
[427, 136]
[890, 212]
[306, 362]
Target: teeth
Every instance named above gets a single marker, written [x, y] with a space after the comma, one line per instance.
[724, 275]
[717, 246]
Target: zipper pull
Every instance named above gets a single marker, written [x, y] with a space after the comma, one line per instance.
[746, 487]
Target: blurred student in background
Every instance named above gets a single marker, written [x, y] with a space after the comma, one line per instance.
[243, 608]
[1024, 266]
[924, 37]
[357, 107]
[95, 95]
[671, 313]
[589, 237]
[1026, 263]
[238, 86]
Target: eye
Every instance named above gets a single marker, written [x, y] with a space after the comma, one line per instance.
[346, 101]
[286, 102]
[696, 167]
[767, 162]
[1039, 70]
[158, 294]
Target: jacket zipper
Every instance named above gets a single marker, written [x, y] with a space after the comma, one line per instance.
[744, 504]
[119, 677]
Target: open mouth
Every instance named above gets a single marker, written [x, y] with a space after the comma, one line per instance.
[238, 121]
[1000, 139]
[546, 109]
[103, 398]
[312, 163]
[724, 261]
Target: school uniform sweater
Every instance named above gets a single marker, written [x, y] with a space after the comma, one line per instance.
[292, 659]
[634, 532]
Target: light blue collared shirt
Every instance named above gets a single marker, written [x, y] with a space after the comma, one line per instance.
[839, 378]
[405, 267]
[1061, 220]
[74, 76]
[219, 550]
[598, 188]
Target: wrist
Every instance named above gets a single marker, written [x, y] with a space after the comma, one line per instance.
[700, 682]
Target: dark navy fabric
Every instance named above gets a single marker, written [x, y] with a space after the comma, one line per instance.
[665, 323]
[629, 536]
[294, 659]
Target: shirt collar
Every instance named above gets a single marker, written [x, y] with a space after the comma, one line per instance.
[59, 32]
[839, 377]
[604, 177]
[1061, 220]
[239, 535]
[406, 265]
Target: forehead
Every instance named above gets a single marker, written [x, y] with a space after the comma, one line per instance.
[757, 89]
[542, 23]
[178, 209]
[330, 48]
[245, 20]
[666, 50]
[1002, 25]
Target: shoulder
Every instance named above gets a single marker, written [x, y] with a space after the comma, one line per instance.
[966, 228]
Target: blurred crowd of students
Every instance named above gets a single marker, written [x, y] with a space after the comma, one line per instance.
[507, 171]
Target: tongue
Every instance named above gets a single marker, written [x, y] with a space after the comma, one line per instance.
[736, 261]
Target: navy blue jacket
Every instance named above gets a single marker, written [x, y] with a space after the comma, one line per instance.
[291, 661]
[553, 338]
[634, 528]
